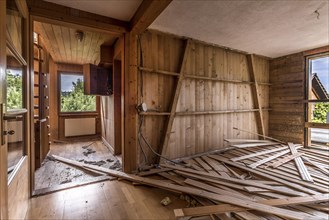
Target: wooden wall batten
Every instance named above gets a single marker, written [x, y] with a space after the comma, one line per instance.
[196, 133]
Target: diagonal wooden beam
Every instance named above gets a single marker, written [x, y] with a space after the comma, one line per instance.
[146, 13]
[255, 94]
[170, 121]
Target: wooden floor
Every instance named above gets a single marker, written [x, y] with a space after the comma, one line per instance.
[53, 173]
[106, 200]
[15, 153]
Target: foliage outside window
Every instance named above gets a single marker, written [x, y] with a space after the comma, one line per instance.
[14, 89]
[73, 98]
[320, 112]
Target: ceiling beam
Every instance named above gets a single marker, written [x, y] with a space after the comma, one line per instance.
[58, 14]
[146, 13]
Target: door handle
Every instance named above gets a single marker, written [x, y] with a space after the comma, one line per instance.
[10, 132]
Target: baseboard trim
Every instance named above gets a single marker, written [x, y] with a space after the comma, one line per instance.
[108, 145]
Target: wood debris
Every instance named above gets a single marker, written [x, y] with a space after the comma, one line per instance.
[261, 181]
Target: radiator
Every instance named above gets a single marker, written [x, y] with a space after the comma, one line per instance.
[79, 126]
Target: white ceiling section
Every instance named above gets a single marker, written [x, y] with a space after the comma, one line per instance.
[118, 9]
[269, 28]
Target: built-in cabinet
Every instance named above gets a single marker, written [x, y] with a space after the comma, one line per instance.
[41, 103]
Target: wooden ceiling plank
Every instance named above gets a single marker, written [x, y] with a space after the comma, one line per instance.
[146, 13]
[67, 43]
[58, 14]
[52, 41]
[74, 43]
[93, 47]
[59, 40]
[86, 46]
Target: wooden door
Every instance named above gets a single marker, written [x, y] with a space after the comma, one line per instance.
[3, 145]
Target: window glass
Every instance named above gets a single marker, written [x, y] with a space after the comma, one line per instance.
[73, 98]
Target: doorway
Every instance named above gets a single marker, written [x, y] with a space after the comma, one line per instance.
[74, 119]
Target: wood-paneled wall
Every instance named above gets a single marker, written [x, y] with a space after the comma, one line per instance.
[197, 133]
[288, 76]
[286, 120]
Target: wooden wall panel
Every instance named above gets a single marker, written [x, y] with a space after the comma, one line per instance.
[286, 120]
[197, 133]
[18, 192]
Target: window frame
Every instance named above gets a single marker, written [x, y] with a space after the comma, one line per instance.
[59, 89]
[309, 102]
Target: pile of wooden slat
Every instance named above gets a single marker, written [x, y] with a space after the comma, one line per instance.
[255, 179]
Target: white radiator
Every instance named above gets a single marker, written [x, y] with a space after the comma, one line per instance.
[80, 126]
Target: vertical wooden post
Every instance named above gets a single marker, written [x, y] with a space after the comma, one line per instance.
[255, 94]
[163, 147]
[130, 115]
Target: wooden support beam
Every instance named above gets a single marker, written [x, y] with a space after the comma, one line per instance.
[215, 209]
[163, 147]
[172, 187]
[255, 94]
[300, 164]
[146, 13]
[62, 15]
[163, 72]
[22, 7]
[130, 100]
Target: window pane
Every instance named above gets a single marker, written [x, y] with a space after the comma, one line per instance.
[73, 98]
[319, 112]
[14, 82]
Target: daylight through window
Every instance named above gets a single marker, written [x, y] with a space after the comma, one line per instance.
[73, 98]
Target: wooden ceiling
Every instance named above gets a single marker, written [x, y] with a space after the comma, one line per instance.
[63, 46]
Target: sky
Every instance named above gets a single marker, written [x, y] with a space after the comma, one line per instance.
[321, 67]
[66, 81]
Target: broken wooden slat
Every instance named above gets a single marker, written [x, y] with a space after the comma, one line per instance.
[214, 209]
[203, 164]
[220, 169]
[267, 159]
[258, 153]
[300, 164]
[285, 160]
[322, 169]
[168, 186]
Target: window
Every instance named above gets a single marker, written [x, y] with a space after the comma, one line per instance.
[72, 94]
[318, 99]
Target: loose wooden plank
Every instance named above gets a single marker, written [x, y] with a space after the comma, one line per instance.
[300, 164]
[203, 164]
[254, 145]
[267, 159]
[322, 169]
[168, 186]
[153, 171]
[258, 153]
[285, 160]
[291, 182]
[214, 209]
[245, 141]
[220, 169]
[163, 147]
